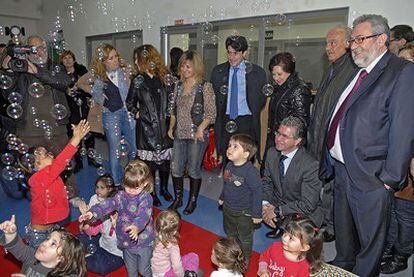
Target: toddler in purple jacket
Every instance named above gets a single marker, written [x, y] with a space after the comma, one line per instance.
[134, 227]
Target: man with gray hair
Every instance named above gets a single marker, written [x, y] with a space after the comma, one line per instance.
[290, 182]
[369, 144]
[337, 76]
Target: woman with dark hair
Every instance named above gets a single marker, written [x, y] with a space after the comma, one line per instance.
[290, 95]
[194, 111]
[147, 102]
[77, 102]
[175, 55]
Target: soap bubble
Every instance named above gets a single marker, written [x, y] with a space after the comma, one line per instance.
[281, 19]
[267, 89]
[59, 112]
[11, 138]
[197, 108]
[231, 127]
[33, 110]
[152, 65]
[138, 80]
[6, 82]
[224, 89]
[23, 148]
[101, 171]
[9, 173]
[91, 153]
[207, 27]
[169, 79]
[36, 90]
[14, 110]
[158, 147]
[7, 158]
[28, 161]
[15, 97]
[123, 147]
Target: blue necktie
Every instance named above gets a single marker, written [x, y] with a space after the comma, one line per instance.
[234, 102]
[282, 168]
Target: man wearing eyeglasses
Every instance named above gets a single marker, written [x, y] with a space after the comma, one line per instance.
[290, 179]
[369, 143]
[399, 37]
[342, 68]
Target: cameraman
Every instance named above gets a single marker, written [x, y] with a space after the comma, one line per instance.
[55, 82]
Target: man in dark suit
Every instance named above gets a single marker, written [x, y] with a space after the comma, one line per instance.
[238, 87]
[290, 182]
[336, 77]
[369, 143]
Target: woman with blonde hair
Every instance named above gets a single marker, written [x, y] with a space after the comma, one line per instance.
[147, 101]
[194, 111]
[110, 90]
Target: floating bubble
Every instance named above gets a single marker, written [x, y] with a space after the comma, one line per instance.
[48, 135]
[298, 41]
[99, 159]
[90, 102]
[28, 161]
[144, 53]
[207, 27]
[169, 79]
[267, 23]
[7, 158]
[231, 127]
[158, 147]
[138, 81]
[11, 138]
[198, 108]
[33, 110]
[82, 151]
[123, 147]
[152, 65]
[57, 68]
[91, 248]
[23, 148]
[91, 153]
[255, 6]
[101, 171]
[267, 89]
[280, 19]
[215, 39]
[224, 89]
[36, 90]
[14, 110]
[6, 82]
[249, 66]
[9, 173]
[15, 97]
[59, 112]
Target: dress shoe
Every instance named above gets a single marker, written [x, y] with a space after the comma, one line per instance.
[274, 234]
[396, 264]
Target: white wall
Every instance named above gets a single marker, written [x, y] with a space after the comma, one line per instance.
[22, 13]
[163, 12]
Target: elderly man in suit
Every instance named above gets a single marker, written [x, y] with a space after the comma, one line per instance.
[336, 77]
[238, 87]
[369, 143]
[290, 183]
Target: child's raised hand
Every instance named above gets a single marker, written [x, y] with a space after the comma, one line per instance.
[9, 226]
[85, 217]
[133, 232]
[79, 131]
[113, 218]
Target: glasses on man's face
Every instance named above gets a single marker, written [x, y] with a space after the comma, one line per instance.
[360, 39]
[284, 136]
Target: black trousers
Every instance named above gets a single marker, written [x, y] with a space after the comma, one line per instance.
[361, 222]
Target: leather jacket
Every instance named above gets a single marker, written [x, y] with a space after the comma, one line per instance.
[292, 98]
[148, 99]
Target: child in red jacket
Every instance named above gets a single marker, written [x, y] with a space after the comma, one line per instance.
[50, 203]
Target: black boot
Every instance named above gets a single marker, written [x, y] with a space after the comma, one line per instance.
[155, 201]
[178, 184]
[195, 185]
[396, 264]
[164, 185]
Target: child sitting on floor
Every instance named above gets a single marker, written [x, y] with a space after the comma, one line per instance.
[50, 203]
[107, 257]
[61, 254]
[166, 259]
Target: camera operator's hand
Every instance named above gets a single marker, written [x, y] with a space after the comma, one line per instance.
[5, 62]
[32, 68]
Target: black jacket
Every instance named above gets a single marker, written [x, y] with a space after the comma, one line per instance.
[149, 99]
[78, 103]
[292, 98]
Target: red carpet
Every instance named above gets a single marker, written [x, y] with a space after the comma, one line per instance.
[193, 239]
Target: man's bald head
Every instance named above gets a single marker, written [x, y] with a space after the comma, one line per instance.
[337, 42]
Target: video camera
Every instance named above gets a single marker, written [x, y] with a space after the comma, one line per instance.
[18, 53]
